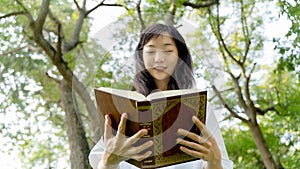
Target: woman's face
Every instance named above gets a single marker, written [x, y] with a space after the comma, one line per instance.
[160, 56]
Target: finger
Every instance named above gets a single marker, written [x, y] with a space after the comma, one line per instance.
[138, 149]
[188, 134]
[193, 153]
[107, 128]
[194, 137]
[142, 157]
[193, 145]
[205, 132]
[201, 127]
[122, 124]
[133, 139]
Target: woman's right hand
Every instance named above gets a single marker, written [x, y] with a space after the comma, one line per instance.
[119, 147]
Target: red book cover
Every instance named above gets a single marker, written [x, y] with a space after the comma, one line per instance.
[162, 115]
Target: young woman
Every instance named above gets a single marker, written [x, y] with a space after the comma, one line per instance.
[163, 62]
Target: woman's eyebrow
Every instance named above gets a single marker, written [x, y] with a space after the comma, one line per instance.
[150, 46]
[166, 44]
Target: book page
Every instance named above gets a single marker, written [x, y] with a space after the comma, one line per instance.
[169, 93]
[124, 93]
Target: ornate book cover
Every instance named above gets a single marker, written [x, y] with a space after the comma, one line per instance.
[162, 116]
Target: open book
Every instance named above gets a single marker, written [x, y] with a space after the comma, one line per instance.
[162, 113]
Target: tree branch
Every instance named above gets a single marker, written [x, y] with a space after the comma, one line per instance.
[263, 112]
[84, 5]
[217, 34]
[68, 46]
[138, 8]
[53, 79]
[13, 51]
[102, 4]
[252, 69]
[59, 33]
[44, 8]
[230, 89]
[59, 40]
[252, 109]
[232, 112]
[27, 13]
[226, 117]
[172, 11]
[77, 5]
[284, 106]
[247, 91]
[222, 44]
[207, 3]
[13, 14]
[222, 39]
[238, 91]
[83, 13]
[235, 81]
[245, 33]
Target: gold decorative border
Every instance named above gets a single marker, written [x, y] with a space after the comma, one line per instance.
[158, 110]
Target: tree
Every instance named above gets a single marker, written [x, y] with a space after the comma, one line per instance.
[289, 47]
[236, 52]
[44, 33]
[280, 128]
[239, 45]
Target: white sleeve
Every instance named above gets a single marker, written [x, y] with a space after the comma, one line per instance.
[213, 126]
[96, 154]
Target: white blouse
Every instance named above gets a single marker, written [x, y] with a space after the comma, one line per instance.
[211, 124]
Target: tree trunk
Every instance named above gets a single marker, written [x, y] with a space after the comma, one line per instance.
[262, 146]
[56, 56]
[76, 135]
[90, 107]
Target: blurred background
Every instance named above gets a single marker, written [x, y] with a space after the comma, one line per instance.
[54, 53]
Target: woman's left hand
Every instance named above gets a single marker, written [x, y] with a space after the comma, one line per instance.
[204, 147]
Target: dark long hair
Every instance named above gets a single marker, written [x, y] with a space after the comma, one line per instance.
[182, 77]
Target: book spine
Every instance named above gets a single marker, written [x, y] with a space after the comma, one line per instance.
[146, 122]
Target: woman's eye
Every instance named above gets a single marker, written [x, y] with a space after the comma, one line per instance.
[168, 51]
[150, 52]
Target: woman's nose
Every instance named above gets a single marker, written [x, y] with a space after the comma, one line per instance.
[159, 57]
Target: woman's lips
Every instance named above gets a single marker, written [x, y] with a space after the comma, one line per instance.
[161, 68]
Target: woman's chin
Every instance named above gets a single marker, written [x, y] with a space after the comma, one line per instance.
[162, 77]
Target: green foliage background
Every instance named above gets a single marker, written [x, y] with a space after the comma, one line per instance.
[32, 119]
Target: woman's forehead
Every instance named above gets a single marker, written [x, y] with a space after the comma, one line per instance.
[165, 38]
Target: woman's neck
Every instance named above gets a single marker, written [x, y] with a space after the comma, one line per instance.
[162, 84]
